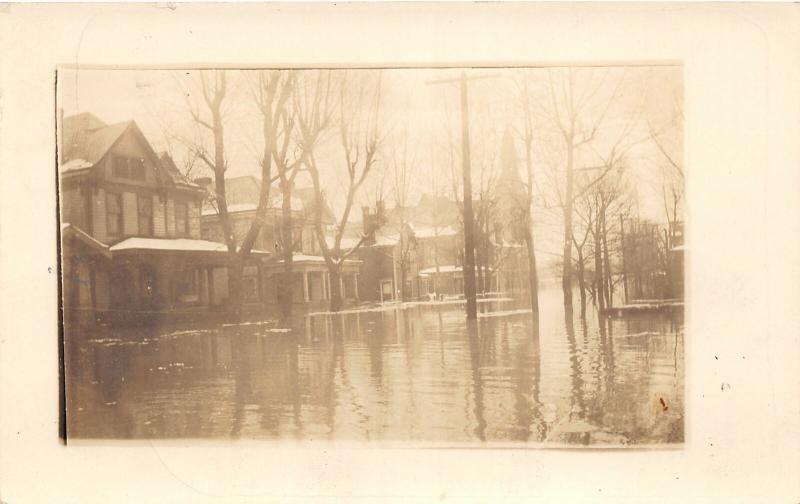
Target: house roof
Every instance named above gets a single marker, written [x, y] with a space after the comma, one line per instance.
[70, 231]
[169, 168]
[434, 231]
[172, 244]
[449, 268]
[311, 259]
[308, 197]
[346, 243]
[242, 195]
[86, 140]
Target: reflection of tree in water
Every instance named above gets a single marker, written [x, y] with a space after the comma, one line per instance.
[578, 407]
[477, 347]
[526, 377]
[338, 330]
[243, 389]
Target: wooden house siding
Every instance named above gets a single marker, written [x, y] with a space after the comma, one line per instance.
[72, 208]
[99, 230]
[130, 217]
[159, 217]
[194, 219]
[128, 146]
[170, 217]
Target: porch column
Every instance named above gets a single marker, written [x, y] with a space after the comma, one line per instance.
[305, 287]
[210, 285]
[355, 283]
[326, 287]
[341, 286]
[204, 300]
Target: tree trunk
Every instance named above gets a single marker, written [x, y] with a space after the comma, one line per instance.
[403, 293]
[533, 278]
[566, 278]
[581, 280]
[287, 299]
[599, 276]
[336, 287]
[607, 263]
[235, 294]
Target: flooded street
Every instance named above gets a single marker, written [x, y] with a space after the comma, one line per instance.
[395, 374]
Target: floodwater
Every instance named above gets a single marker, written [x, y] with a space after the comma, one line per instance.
[418, 373]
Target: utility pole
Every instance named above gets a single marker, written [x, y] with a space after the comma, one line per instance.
[469, 220]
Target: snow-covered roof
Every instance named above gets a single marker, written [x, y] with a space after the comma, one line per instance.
[75, 165]
[297, 206]
[450, 268]
[346, 243]
[68, 229]
[173, 244]
[432, 232]
[311, 259]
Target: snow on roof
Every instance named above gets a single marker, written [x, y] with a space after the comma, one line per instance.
[303, 258]
[174, 244]
[431, 232]
[346, 243]
[450, 268]
[238, 207]
[297, 206]
[382, 240]
[68, 229]
[75, 165]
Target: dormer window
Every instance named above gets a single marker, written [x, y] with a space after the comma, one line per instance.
[127, 167]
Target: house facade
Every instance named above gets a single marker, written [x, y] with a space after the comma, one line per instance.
[264, 281]
[130, 230]
[418, 253]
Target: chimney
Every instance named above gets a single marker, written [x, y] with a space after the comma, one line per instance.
[366, 220]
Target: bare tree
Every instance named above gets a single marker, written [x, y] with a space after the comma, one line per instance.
[571, 112]
[214, 87]
[273, 92]
[359, 102]
[526, 217]
[401, 186]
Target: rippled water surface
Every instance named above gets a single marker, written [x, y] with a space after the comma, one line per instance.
[418, 373]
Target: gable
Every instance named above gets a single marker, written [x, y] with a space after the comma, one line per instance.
[130, 160]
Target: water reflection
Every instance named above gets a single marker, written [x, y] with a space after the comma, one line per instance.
[419, 373]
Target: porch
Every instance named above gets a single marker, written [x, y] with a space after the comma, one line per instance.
[311, 281]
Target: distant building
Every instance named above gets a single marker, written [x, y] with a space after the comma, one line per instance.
[418, 253]
[130, 229]
[653, 260]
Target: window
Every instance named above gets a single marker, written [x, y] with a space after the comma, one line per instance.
[181, 219]
[145, 215]
[186, 286]
[113, 214]
[127, 168]
[250, 284]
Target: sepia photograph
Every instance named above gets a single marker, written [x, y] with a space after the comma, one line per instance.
[399, 252]
[440, 255]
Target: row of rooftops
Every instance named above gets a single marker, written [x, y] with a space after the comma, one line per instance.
[86, 140]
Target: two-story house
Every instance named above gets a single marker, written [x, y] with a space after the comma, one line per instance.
[130, 226]
[263, 283]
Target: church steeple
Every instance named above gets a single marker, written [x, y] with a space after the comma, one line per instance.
[509, 173]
